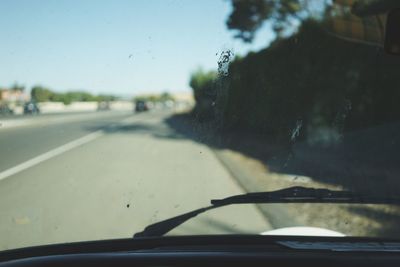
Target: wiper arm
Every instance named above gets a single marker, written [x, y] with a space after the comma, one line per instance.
[288, 195]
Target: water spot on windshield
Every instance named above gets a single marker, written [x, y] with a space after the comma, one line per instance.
[341, 116]
[296, 131]
[293, 136]
[225, 58]
[155, 216]
[343, 112]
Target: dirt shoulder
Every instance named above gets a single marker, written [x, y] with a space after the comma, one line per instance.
[258, 164]
[352, 220]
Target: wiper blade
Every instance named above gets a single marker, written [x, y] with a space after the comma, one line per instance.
[305, 195]
[288, 195]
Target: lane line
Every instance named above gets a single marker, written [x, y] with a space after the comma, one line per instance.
[51, 154]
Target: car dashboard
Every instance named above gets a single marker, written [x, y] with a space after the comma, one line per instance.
[211, 251]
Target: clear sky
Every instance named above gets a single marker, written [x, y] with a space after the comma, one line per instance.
[123, 47]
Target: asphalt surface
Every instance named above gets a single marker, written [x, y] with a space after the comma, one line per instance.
[106, 175]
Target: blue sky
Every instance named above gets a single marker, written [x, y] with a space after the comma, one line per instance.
[121, 47]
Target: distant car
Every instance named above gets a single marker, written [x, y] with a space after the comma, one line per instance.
[141, 106]
[5, 109]
[31, 108]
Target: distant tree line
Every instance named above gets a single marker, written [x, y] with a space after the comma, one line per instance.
[42, 94]
[165, 96]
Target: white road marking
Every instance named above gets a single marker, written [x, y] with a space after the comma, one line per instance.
[51, 154]
[60, 150]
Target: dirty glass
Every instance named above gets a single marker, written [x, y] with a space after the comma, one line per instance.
[118, 114]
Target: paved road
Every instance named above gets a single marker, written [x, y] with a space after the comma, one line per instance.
[107, 175]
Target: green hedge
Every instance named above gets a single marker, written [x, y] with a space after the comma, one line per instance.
[315, 78]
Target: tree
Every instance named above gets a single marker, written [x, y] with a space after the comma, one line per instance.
[106, 98]
[373, 7]
[41, 94]
[204, 85]
[76, 96]
[249, 15]
[285, 16]
[17, 87]
[166, 97]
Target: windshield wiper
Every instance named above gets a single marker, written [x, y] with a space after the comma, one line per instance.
[288, 195]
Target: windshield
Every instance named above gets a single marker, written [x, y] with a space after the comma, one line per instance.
[115, 115]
